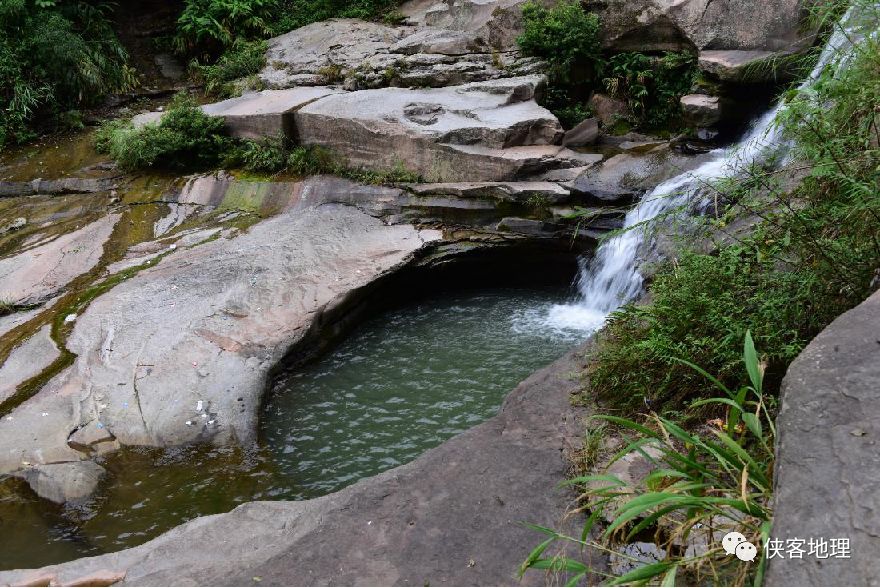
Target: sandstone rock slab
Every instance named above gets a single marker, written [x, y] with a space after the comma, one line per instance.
[26, 361]
[700, 110]
[827, 466]
[267, 113]
[63, 482]
[37, 274]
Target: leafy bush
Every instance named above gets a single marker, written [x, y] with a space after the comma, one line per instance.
[565, 36]
[267, 155]
[651, 86]
[209, 26]
[241, 60]
[55, 56]
[702, 486]
[184, 138]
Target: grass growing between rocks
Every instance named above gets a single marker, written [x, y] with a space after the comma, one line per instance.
[702, 486]
[781, 252]
[187, 139]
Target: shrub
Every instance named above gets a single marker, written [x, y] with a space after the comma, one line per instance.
[267, 155]
[185, 138]
[651, 86]
[318, 160]
[209, 26]
[565, 36]
[55, 56]
[241, 60]
[703, 486]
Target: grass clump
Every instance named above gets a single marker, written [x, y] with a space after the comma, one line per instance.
[241, 60]
[702, 486]
[184, 138]
[313, 160]
[55, 57]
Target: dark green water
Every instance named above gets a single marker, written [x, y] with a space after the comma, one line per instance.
[397, 386]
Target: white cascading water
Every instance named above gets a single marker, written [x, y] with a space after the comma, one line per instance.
[612, 278]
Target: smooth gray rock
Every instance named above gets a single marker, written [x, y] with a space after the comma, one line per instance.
[436, 132]
[660, 25]
[375, 55]
[59, 186]
[26, 361]
[584, 133]
[627, 176]
[495, 22]
[827, 464]
[520, 192]
[451, 517]
[63, 482]
[736, 66]
[207, 324]
[37, 274]
[700, 110]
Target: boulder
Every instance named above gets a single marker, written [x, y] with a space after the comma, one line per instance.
[443, 134]
[63, 482]
[660, 25]
[584, 133]
[827, 466]
[37, 274]
[627, 176]
[608, 110]
[26, 361]
[265, 114]
[375, 55]
[699, 110]
[736, 66]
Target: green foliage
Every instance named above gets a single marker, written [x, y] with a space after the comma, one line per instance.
[267, 155]
[241, 60]
[54, 57]
[813, 255]
[701, 485]
[185, 138]
[209, 26]
[568, 39]
[651, 86]
[565, 36]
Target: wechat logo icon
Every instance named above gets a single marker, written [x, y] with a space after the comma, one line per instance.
[735, 544]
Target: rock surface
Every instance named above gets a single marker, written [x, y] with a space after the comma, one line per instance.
[700, 110]
[62, 482]
[376, 55]
[626, 176]
[827, 464]
[37, 274]
[451, 517]
[660, 25]
[444, 134]
[26, 361]
[205, 325]
[265, 114]
[733, 65]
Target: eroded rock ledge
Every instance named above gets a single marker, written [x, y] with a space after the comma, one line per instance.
[451, 517]
[827, 465]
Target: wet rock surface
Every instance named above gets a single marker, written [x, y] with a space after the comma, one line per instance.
[826, 454]
[451, 517]
[26, 361]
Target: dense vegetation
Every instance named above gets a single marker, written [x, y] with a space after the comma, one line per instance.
[569, 39]
[811, 254]
[55, 57]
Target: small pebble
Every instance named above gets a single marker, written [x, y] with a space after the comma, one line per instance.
[45, 414]
[199, 406]
[69, 318]
[189, 422]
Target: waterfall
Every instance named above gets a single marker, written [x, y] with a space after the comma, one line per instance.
[612, 278]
